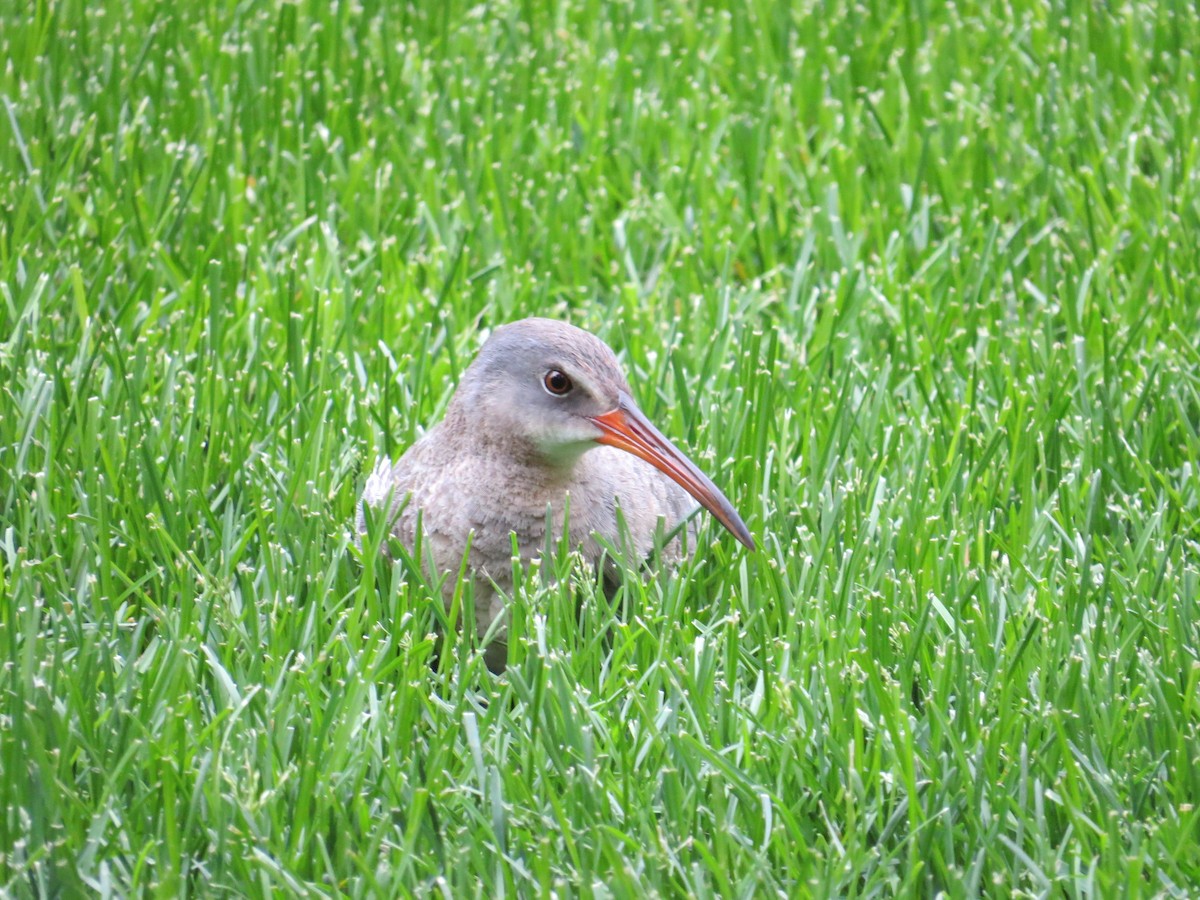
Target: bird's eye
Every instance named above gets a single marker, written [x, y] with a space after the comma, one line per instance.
[557, 383]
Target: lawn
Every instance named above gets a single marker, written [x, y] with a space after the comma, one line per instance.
[918, 284]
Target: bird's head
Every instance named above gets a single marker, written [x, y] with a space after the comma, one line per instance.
[542, 384]
[548, 389]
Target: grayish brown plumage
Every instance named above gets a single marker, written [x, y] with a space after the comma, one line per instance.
[542, 414]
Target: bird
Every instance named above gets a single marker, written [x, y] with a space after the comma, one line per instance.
[541, 436]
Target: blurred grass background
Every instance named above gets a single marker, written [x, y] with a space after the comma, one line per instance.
[916, 282]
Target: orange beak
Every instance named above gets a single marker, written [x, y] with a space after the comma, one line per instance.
[628, 429]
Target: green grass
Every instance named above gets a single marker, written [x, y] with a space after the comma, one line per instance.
[917, 284]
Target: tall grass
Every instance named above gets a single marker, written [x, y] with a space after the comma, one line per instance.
[916, 283]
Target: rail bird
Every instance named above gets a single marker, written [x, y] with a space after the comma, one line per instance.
[542, 429]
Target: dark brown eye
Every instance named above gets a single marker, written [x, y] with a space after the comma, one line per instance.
[557, 383]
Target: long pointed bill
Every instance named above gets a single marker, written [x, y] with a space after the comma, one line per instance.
[628, 429]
